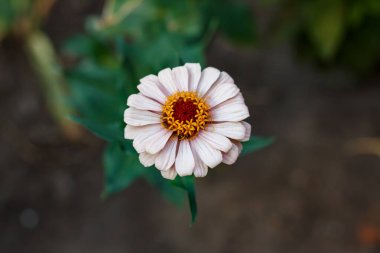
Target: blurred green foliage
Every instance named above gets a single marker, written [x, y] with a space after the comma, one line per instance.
[20, 17]
[10, 13]
[344, 33]
[130, 40]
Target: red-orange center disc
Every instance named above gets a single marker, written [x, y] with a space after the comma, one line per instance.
[184, 110]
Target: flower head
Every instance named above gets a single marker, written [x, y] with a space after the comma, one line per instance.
[186, 120]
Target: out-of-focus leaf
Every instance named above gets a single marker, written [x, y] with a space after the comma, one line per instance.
[367, 38]
[327, 27]
[10, 13]
[237, 23]
[107, 131]
[188, 184]
[94, 104]
[193, 54]
[172, 193]
[256, 143]
[162, 52]
[121, 167]
[98, 93]
[80, 45]
[107, 79]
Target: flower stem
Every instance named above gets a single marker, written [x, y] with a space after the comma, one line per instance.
[42, 56]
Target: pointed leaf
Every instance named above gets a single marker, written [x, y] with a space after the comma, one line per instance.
[256, 143]
[108, 131]
[170, 192]
[122, 167]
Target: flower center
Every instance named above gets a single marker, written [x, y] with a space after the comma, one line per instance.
[184, 110]
[185, 114]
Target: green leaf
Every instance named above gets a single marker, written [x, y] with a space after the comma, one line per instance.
[167, 189]
[96, 105]
[11, 12]
[99, 94]
[256, 143]
[122, 167]
[327, 28]
[80, 45]
[108, 131]
[237, 23]
[188, 184]
[192, 54]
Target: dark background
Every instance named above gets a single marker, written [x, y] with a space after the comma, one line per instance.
[309, 192]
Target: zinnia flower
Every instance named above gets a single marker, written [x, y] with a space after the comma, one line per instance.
[186, 120]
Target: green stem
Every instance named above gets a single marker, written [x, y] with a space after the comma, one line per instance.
[43, 58]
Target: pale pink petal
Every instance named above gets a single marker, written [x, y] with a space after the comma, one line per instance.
[217, 141]
[247, 134]
[156, 142]
[232, 155]
[208, 77]
[233, 109]
[181, 78]
[141, 102]
[166, 79]
[131, 132]
[194, 70]
[200, 169]
[209, 155]
[184, 162]
[233, 130]
[221, 93]
[165, 159]
[136, 117]
[223, 78]
[150, 86]
[147, 159]
[143, 136]
[169, 174]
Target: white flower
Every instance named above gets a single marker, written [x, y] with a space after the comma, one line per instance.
[185, 120]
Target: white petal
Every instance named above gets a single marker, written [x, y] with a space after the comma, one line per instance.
[223, 78]
[165, 159]
[131, 132]
[221, 93]
[184, 162]
[247, 133]
[157, 141]
[200, 169]
[209, 155]
[141, 102]
[147, 159]
[233, 109]
[181, 78]
[165, 77]
[150, 86]
[136, 117]
[217, 141]
[208, 77]
[233, 130]
[194, 70]
[143, 135]
[169, 174]
[232, 155]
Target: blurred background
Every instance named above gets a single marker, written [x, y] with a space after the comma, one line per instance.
[310, 74]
